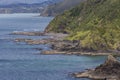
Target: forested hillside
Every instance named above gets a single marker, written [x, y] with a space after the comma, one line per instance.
[95, 23]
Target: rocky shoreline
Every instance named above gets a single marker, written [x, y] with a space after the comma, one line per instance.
[52, 52]
[61, 46]
[110, 70]
[28, 33]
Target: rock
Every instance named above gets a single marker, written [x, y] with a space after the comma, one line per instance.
[110, 67]
[22, 40]
[28, 33]
[39, 41]
[52, 52]
[65, 45]
[110, 70]
[40, 49]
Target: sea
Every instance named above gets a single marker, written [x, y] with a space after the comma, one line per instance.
[20, 61]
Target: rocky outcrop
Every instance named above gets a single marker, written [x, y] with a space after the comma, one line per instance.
[66, 45]
[110, 70]
[52, 52]
[28, 33]
[61, 46]
[52, 38]
[39, 41]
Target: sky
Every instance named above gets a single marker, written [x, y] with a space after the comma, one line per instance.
[5, 2]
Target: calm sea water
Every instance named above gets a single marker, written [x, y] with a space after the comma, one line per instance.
[19, 61]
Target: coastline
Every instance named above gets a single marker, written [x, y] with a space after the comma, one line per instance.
[107, 71]
[52, 52]
[59, 45]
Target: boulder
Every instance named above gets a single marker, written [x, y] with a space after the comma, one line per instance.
[110, 70]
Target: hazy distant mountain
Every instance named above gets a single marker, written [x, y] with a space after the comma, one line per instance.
[59, 8]
[6, 2]
[26, 6]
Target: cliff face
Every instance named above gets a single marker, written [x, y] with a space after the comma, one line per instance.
[59, 8]
[110, 70]
[110, 67]
[95, 23]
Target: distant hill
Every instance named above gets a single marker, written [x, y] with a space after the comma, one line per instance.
[59, 8]
[16, 7]
[95, 23]
[8, 2]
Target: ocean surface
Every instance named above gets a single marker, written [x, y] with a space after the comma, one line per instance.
[20, 61]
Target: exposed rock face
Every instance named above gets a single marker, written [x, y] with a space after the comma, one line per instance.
[65, 45]
[110, 67]
[110, 70]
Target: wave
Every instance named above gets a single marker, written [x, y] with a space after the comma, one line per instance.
[27, 30]
[16, 31]
[31, 30]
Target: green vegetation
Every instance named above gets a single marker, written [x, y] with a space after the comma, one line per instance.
[95, 23]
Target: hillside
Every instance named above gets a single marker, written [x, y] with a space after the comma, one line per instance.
[59, 8]
[9, 2]
[94, 23]
[25, 7]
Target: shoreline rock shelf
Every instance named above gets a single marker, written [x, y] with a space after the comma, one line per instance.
[28, 33]
[110, 70]
[52, 52]
[61, 46]
[35, 42]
